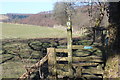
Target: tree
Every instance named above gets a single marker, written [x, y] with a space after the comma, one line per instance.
[61, 12]
[113, 55]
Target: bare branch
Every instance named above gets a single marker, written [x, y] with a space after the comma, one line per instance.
[33, 68]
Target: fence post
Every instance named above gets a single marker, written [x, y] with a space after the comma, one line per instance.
[69, 46]
[52, 62]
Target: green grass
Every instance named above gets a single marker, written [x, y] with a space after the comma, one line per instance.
[12, 71]
[30, 31]
[12, 65]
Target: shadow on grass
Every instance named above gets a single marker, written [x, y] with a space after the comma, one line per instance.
[6, 60]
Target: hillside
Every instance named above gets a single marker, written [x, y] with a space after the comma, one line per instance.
[3, 17]
[14, 17]
[79, 19]
[10, 31]
[42, 19]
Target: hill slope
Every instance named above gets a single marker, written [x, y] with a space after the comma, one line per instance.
[3, 17]
[79, 19]
[41, 19]
[14, 17]
[29, 31]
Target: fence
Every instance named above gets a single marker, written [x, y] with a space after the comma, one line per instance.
[59, 65]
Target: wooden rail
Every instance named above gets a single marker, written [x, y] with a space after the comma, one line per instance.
[89, 58]
[74, 47]
[93, 71]
[62, 50]
[77, 64]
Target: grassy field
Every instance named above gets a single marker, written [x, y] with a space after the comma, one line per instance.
[30, 31]
[12, 66]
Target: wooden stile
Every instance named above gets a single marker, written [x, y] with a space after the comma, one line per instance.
[52, 61]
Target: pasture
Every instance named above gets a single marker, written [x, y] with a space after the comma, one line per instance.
[15, 38]
[10, 31]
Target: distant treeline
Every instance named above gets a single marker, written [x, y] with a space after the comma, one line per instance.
[80, 18]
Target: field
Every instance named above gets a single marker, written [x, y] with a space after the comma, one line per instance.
[12, 65]
[30, 31]
[15, 39]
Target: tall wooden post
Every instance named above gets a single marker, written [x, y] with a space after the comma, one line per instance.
[94, 35]
[69, 46]
[52, 63]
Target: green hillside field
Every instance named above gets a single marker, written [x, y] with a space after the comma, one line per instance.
[29, 31]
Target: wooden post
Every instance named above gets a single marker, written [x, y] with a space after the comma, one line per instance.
[94, 35]
[69, 46]
[102, 38]
[52, 62]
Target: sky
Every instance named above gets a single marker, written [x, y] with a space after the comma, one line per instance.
[28, 6]
[25, 6]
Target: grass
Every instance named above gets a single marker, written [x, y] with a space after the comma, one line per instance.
[12, 65]
[30, 31]
[14, 68]
[12, 71]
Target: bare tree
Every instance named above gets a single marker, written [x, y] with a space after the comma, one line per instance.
[62, 11]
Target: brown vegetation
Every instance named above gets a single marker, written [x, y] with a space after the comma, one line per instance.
[41, 19]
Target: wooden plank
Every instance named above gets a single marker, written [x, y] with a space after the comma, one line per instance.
[93, 71]
[84, 64]
[62, 50]
[51, 60]
[77, 46]
[74, 47]
[63, 73]
[82, 47]
[89, 58]
[62, 58]
[75, 59]
[76, 64]
[91, 76]
[80, 54]
[66, 50]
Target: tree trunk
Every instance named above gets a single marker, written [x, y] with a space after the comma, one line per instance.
[113, 54]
